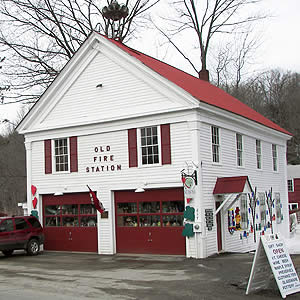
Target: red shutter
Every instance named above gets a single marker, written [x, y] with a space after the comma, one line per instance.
[48, 156]
[132, 148]
[165, 144]
[73, 154]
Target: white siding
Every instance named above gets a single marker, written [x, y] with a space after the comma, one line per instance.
[262, 179]
[163, 176]
[106, 181]
[123, 93]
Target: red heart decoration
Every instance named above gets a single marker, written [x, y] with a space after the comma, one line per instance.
[33, 190]
[34, 202]
[183, 180]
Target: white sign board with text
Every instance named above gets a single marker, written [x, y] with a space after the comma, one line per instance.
[272, 256]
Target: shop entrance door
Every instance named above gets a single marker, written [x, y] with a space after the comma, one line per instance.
[150, 222]
[219, 228]
[70, 223]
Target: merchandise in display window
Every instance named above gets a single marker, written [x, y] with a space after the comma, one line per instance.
[70, 221]
[127, 221]
[173, 206]
[88, 221]
[52, 221]
[150, 221]
[278, 207]
[70, 215]
[244, 212]
[129, 208]
[87, 209]
[52, 210]
[69, 209]
[149, 207]
[263, 209]
[150, 213]
[173, 220]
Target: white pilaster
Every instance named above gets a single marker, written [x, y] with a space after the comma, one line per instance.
[200, 237]
[284, 199]
[28, 147]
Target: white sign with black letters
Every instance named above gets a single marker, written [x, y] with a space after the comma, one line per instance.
[272, 252]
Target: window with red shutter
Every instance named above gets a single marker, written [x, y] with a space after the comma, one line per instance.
[65, 155]
[48, 156]
[149, 140]
[149, 145]
[61, 155]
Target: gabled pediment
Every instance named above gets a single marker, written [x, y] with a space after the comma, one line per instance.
[101, 83]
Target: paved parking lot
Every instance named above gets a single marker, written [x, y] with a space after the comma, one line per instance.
[66, 276]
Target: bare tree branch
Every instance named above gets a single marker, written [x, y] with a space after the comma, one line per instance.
[39, 37]
[205, 19]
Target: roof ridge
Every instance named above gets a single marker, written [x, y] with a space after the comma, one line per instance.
[154, 58]
[202, 90]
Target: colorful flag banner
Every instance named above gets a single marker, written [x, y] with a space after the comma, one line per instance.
[96, 202]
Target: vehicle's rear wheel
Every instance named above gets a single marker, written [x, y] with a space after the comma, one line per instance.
[33, 247]
[8, 252]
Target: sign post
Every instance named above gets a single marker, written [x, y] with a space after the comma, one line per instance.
[272, 257]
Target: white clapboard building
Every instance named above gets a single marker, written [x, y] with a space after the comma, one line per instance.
[174, 159]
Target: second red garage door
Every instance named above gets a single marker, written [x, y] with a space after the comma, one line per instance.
[150, 222]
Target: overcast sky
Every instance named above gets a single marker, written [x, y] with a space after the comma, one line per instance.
[282, 38]
[280, 47]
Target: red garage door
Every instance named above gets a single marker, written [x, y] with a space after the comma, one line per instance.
[70, 223]
[150, 222]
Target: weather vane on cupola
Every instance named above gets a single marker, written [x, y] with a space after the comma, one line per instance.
[114, 15]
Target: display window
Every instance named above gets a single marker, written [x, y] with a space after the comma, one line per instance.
[70, 215]
[150, 213]
[278, 207]
[262, 209]
[244, 212]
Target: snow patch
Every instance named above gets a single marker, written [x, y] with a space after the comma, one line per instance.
[293, 243]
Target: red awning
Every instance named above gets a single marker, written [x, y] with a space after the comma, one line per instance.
[231, 185]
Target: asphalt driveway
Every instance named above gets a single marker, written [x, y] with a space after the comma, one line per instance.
[66, 276]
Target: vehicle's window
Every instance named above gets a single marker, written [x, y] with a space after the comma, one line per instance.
[7, 225]
[34, 222]
[21, 224]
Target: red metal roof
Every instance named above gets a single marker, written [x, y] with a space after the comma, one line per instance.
[230, 185]
[200, 89]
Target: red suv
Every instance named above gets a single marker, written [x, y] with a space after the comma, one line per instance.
[20, 233]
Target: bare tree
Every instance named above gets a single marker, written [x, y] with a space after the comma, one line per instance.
[39, 37]
[13, 173]
[234, 63]
[2, 88]
[12, 167]
[223, 60]
[205, 19]
[276, 95]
